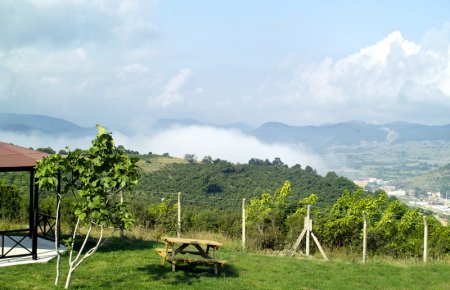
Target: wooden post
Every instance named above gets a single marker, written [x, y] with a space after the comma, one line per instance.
[121, 226]
[179, 215]
[319, 246]
[243, 223]
[425, 239]
[298, 241]
[364, 238]
[308, 230]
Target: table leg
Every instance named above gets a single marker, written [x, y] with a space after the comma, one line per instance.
[166, 249]
[173, 256]
[215, 257]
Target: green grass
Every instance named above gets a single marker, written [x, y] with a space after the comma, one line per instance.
[152, 163]
[133, 264]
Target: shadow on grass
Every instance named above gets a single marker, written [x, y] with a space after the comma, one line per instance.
[129, 244]
[186, 273]
[117, 244]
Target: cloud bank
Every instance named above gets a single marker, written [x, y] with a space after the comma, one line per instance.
[225, 144]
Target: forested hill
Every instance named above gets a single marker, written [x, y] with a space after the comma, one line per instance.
[216, 182]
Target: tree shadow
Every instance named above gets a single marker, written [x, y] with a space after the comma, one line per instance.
[186, 273]
[129, 244]
[117, 244]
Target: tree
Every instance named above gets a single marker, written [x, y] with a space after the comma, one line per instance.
[48, 150]
[277, 161]
[344, 222]
[10, 201]
[97, 178]
[191, 158]
[207, 160]
[265, 214]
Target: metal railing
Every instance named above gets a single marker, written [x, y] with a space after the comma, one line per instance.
[46, 227]
[15, 239]
[19, 243]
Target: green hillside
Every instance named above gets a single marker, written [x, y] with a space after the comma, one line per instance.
[218, 182]
[436, 180]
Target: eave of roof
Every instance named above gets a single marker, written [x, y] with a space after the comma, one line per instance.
[16, 158]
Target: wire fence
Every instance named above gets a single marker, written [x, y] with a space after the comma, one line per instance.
[182, 202]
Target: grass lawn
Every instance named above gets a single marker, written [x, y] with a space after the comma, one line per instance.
[133, 264]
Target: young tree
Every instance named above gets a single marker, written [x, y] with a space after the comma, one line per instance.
[96, 177]
[265, 214]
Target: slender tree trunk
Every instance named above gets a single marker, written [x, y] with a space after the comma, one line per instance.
[58, 258]
[73, 265]
[69, 277]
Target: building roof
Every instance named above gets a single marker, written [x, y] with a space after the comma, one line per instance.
[14, 157]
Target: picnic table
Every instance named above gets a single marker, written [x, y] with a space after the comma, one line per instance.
[198, 251]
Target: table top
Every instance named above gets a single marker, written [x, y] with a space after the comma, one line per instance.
[191, 241]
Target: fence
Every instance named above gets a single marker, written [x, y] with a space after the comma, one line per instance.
[307, 232]
[13, 240]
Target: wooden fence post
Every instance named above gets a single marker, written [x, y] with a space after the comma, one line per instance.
[425, 239]
[308, 230]
[243, 223]
[179, 215]
[364, 238]
[122, 234]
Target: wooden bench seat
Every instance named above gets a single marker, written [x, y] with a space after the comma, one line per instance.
[197, 260]
[162, 252]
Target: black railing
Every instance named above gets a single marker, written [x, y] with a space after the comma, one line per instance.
[14, 239]
[46, 227]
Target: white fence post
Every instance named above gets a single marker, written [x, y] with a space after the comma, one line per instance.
[179, 215]
[308, 230]
[243, 223]
[364, 238]
[425, 239]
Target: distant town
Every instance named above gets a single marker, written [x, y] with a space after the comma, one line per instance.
[436, 202]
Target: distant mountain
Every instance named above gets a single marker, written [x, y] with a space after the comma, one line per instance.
[351, 133]
[436, 180]
[26, 123]
[417, 132]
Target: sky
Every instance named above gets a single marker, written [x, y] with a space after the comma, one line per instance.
[126, 64]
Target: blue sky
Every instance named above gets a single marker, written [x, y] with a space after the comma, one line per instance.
[126, 64]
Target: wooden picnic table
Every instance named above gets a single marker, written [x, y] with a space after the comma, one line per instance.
[176, 249]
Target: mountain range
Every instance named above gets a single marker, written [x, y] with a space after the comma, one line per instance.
[352, 133]
[27, 123]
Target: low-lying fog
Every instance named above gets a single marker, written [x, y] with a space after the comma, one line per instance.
[226, 144]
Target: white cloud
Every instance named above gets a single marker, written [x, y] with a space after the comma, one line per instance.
[379, 82]
[225, 144]
[171, 94]
[6, 83]
[39, 140]
[132, 72]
